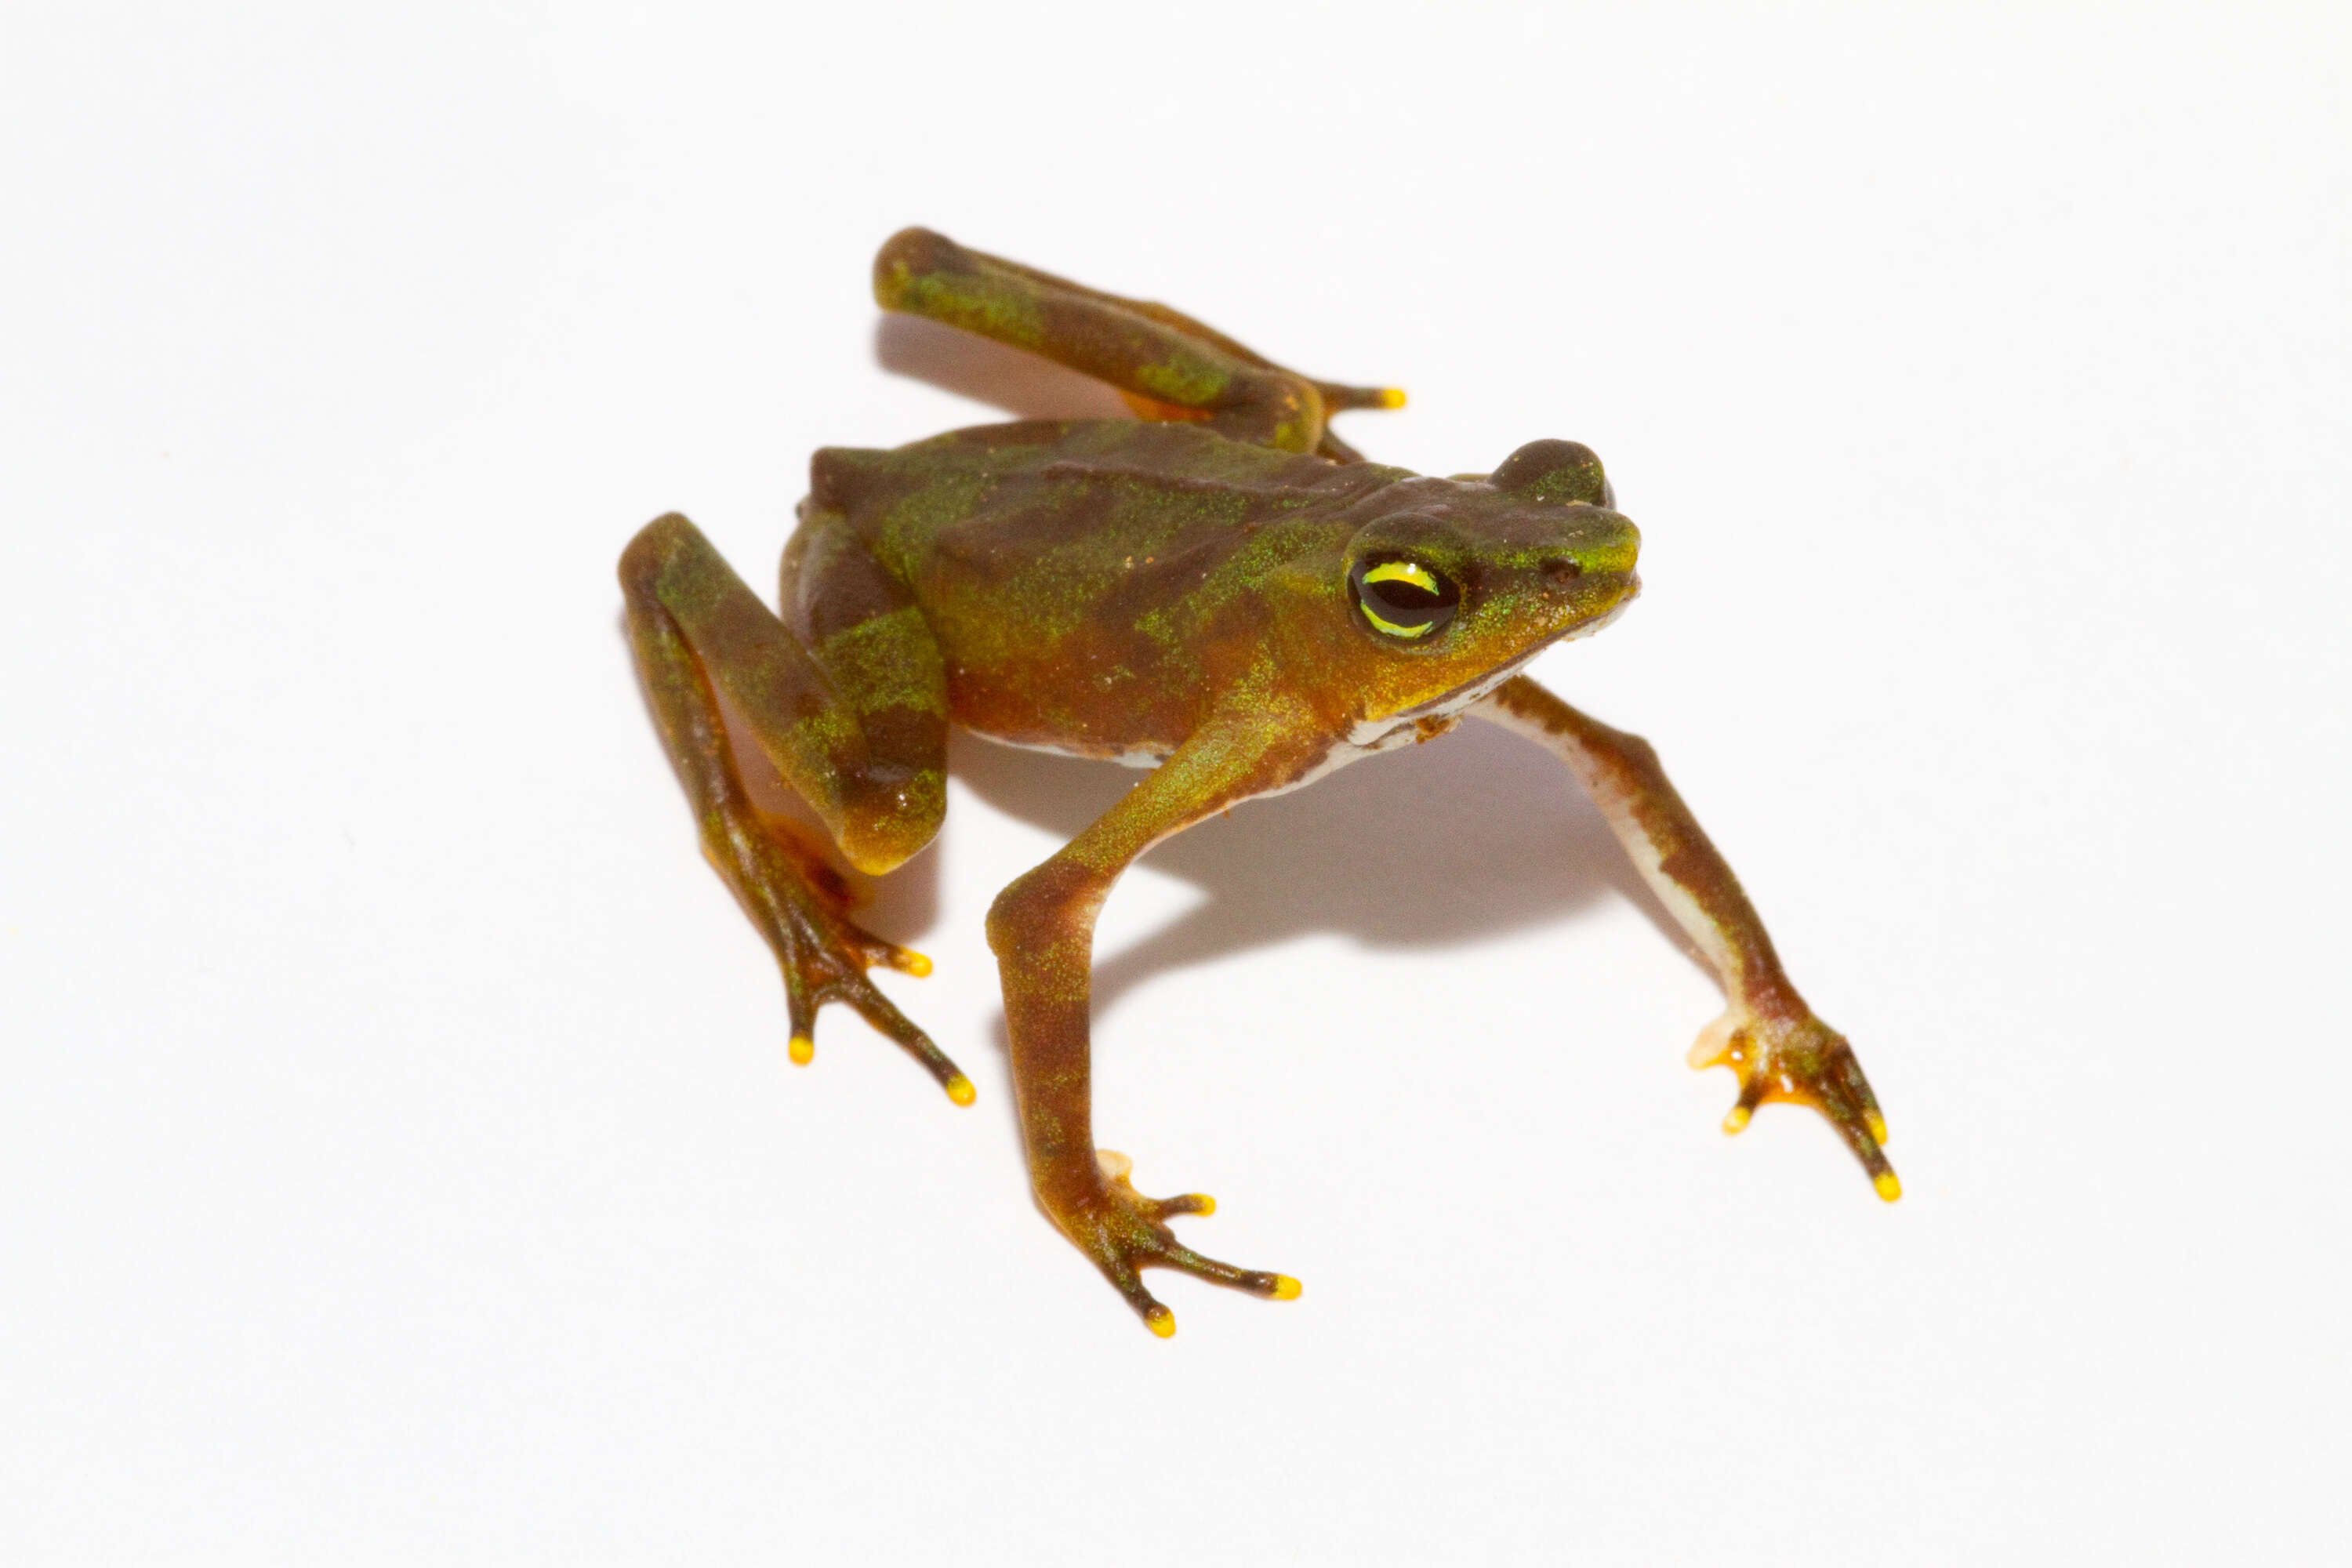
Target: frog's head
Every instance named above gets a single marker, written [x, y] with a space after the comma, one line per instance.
[1458, 581]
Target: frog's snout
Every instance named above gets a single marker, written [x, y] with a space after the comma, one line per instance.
[1582, 595]
[1612, 544]
[1594, 567]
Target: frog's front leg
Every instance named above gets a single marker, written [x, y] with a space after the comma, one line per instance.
[846, 697]
[1042, 929]
[1766, 1035]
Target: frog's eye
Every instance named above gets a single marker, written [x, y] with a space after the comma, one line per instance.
[1404, 598]
[1555, 471]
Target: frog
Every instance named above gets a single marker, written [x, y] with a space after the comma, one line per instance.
[1218, 589]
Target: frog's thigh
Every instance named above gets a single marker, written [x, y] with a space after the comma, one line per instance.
[1158, 354]
[700, 629]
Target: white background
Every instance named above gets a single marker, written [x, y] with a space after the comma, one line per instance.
[398, 1158]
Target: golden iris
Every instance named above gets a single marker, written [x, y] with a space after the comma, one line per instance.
[1404, 598]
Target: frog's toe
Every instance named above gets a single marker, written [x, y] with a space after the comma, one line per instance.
[1256, 1281]
[1127, 1280]
[1125, 1273]
[1150, 1308]
[1337, 398]
[1124, 1233]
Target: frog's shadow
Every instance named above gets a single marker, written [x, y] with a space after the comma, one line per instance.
[1025, 385]
[1473, 835]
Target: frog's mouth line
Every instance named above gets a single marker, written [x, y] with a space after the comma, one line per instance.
[1606, 617]
[1462, 696]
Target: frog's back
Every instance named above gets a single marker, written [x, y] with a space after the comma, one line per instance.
[1063, 480]
[1089, 581]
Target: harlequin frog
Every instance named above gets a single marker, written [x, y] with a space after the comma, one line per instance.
[1221, 590]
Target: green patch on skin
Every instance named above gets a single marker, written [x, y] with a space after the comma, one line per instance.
[913, 521]
[887, 661]
[982, 305]
[830, 733]
[1188, 384]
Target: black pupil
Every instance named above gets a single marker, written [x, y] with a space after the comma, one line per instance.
[1407, 603]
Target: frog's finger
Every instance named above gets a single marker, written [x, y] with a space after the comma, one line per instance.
[1874, 1159]
[799, 1013]
[883, 1014]
[1844, 1094]
[1849, 1072]
[1751, 1094]
[1200, 1203]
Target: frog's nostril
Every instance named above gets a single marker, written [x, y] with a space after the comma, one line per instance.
[1562, 571]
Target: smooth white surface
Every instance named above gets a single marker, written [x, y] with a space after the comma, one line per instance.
[398, 1158]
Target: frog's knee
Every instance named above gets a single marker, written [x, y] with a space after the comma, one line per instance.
[891, 818]
[911, 254]
[1268, 407]
[1296, 411]
[657, 544]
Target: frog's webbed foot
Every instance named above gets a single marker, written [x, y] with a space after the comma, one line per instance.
[802, 906]
[1796, 1056]
[1125, 1232]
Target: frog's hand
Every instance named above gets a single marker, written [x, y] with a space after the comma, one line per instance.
[868, 753]
[1766, 1035]
[1169, 365]
[1042, 929]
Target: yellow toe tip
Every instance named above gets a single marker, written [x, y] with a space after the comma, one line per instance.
[802, 1050]
[1888, 1187]
[914, 963]
[1286, 1288]
[1391, 397]
[1161, 1322]
[960, 1090]
[1877, 1125]
[1206, 1205]
[1737, 1119]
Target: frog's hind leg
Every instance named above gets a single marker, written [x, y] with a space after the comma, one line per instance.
[846, 697]
[1168, 365]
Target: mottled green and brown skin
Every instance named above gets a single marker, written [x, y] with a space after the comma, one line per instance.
[1224, 591]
